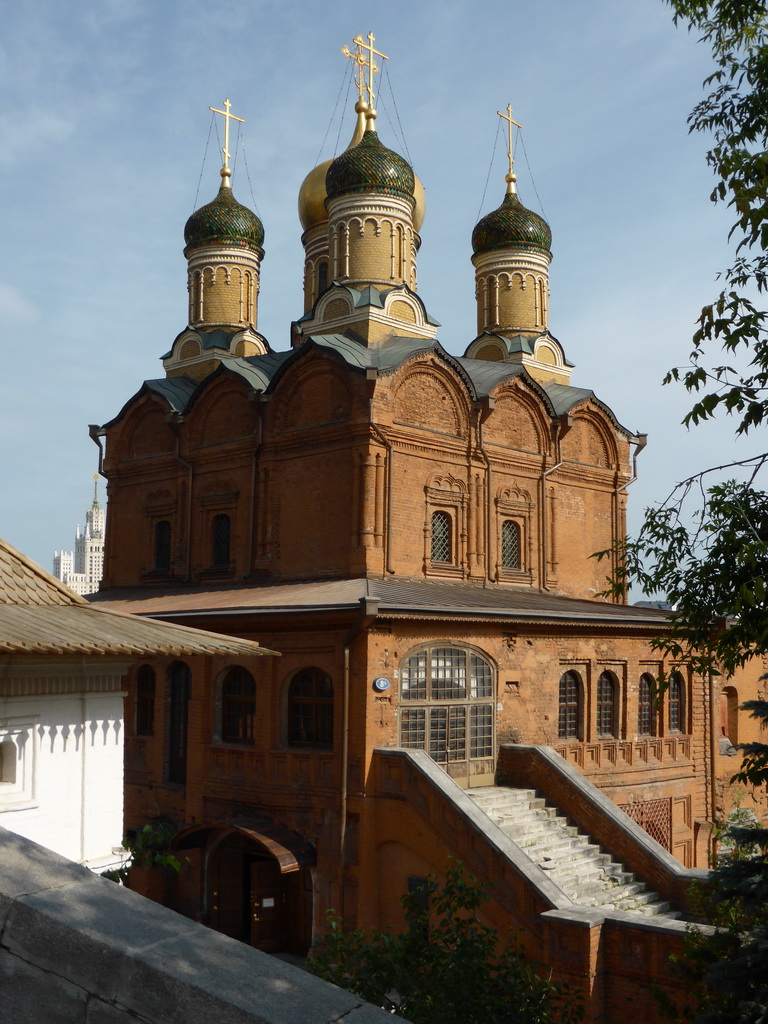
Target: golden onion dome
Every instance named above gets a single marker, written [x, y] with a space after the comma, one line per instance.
[313, 193]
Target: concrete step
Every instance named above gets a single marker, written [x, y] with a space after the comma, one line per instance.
[578, 866]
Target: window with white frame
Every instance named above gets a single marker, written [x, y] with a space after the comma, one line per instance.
[447, 704]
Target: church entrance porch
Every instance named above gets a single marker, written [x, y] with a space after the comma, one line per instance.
[255, 882]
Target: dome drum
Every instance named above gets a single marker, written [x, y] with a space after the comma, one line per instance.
[511, 259]
[372, 240]
[512, 295]
[223, 288]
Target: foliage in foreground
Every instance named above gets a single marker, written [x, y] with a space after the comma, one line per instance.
[714, 572]
[726, 972]
[147, 847]
[446, 968]
[706, 547]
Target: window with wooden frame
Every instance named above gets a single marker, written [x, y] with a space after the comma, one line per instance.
[238, 705]
[646, 705]
[607, 705]
[570, 704]
[145, 701]
[310, 709]
[676, 703]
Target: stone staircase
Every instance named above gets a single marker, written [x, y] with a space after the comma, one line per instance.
[579, 867]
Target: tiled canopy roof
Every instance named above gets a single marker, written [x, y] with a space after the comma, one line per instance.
[39, 615]
[512, 226]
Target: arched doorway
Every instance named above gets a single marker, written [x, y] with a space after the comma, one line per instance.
[255, 882]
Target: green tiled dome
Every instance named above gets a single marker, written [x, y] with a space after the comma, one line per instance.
[512, 227]
[370, 167]
[223, 222]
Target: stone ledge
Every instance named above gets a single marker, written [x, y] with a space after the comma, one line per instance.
[119, 957]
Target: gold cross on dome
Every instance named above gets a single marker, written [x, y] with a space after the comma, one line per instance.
[359, 58]
[511, 176]
[372, 68]
[227, 118]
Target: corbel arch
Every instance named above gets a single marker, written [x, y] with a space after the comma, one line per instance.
[518, 420]
[590, 440]
[430, 397]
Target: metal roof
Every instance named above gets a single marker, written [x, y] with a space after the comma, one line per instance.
[395, 597]
[39, 615]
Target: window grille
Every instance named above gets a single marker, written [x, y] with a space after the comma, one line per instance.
[606, 704]
[510, 545]
[655, 816]
[238, 706]
[163, 546]
[441, 537]
[310, 709]
[569, 711]
[221, 530]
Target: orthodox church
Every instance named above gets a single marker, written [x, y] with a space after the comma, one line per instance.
[412, 531]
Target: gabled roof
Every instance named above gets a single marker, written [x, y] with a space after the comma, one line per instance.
[39, 615]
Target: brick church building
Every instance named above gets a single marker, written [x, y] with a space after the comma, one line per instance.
[412, 531]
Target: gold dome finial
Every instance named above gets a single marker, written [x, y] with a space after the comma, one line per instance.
[225, 172]
[365, 84]
[510, 177]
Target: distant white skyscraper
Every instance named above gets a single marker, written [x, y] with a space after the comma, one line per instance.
[81, 571]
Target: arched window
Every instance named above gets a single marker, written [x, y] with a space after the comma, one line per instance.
[607, 693]
[510, 545]
[180, 691]
[441, 547]
[676, 702]
[310, 709]
[221, 531]
[163, 546]
[447, 693]
[238, 705]
[646, 713]
[322, 277]
[569, 709]
[145, 701]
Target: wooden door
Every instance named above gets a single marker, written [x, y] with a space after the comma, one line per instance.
[227, 896]
[267, 906]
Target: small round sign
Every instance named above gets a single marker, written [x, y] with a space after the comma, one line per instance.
[381, 684]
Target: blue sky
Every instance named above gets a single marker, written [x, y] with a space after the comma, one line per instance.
[103, 131]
